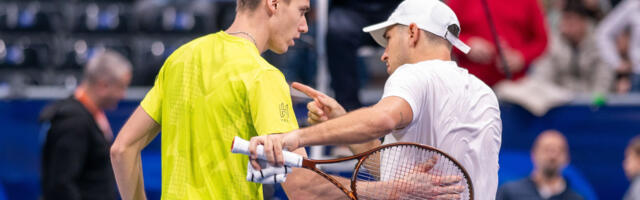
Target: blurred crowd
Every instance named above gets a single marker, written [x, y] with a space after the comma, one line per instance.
[536, 53]
[553, 48]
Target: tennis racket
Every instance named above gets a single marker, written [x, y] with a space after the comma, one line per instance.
[394, 171]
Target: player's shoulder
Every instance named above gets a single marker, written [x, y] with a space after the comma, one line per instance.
[195, 46]
[255, 66]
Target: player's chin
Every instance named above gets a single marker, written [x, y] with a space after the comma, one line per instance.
[280, 50]
[284, 47]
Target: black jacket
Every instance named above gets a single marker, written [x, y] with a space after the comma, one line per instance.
[525, 189]
[75, 156]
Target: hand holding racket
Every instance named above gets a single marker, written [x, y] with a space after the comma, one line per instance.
[393, 171]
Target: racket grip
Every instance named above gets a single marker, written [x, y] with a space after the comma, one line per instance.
[241, 146]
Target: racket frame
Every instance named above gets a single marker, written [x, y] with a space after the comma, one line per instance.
[352, 194]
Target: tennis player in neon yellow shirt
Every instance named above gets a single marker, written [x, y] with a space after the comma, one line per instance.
[208, 91]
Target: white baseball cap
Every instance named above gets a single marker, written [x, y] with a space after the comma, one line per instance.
[430, 15]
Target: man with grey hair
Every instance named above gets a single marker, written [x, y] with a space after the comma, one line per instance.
[75, 156]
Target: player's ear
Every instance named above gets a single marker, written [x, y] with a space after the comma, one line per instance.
[272, 6]
[414, 34]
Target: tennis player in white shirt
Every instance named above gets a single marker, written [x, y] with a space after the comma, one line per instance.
[427, 99]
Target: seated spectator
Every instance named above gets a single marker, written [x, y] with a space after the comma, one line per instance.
[550, 155]
[572, 61]
[571, 66]
[622, 82]
[631, 165]
[553, 10]
[626, 14]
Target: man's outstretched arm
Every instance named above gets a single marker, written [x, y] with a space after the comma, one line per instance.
[362, 125]
[137, 133]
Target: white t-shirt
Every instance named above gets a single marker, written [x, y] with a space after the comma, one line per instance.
[453, 111]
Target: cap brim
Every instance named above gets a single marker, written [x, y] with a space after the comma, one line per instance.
[377, 32]
[456, 42]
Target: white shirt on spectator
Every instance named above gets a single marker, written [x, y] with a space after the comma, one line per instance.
[625, 14]
[453, 111]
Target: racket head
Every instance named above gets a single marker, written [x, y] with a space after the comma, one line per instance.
[401, 171]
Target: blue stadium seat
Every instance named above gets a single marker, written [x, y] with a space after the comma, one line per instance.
[153, 54]
[82, 50]
[25, 18]
[23, 54]
[168, 18]
[111, 18]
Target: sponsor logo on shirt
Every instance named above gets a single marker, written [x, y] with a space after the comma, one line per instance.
[284, 112]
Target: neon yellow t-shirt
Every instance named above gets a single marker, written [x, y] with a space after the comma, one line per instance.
[208, 91]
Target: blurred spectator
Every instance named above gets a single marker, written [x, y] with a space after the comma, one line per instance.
[75, 163]
[596, 8]
[623, 80]
[521, 30]
[553, 8]
[631, 165]
[572, 61]
[344, 36]
[626, 14]
[550, 155]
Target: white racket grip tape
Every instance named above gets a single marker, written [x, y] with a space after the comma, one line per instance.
[241, 146]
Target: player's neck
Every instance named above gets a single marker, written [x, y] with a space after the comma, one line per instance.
[90, 93]
[431, 53]
[253, 27]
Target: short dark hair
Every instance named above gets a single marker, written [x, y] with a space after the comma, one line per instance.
[454, 29]
[251, 5]
[577, 7]
[435, 39]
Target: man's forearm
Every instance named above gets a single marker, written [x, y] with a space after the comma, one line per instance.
[306, 184]
[363, 147]
[137, 133]
[127, 167]
[359, 126]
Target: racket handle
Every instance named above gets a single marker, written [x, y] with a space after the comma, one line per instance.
[241, 146]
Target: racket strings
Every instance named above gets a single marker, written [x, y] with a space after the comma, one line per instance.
[406, 172]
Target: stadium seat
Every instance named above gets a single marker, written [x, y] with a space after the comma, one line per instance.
[102, 18]
[25, 17]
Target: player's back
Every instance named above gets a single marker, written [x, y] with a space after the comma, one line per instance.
[201, 100]
[453, 111]
[470, 128]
